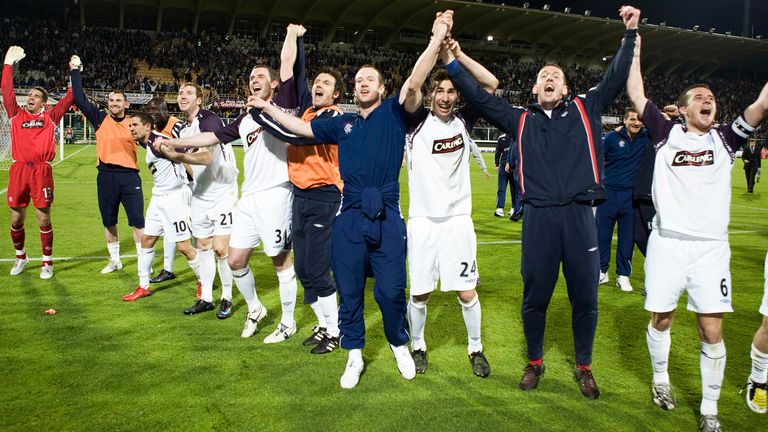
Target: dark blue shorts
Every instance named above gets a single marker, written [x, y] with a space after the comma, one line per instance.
[115, 187]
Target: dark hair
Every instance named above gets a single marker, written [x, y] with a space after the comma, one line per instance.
[273, 75]
[628, 111]
[685, 98]
[158, 104]
[198, 90]
[43, 92]
[339, 86]
[144, 118]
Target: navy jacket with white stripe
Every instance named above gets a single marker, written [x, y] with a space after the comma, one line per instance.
[559, 159]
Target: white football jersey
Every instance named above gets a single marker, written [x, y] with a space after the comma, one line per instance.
[211, 181]
[168, 175]
[266, 157]
[438, 168]
[692, 185]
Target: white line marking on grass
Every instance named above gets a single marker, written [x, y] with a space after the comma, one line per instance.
[2, 192]
[750, 207]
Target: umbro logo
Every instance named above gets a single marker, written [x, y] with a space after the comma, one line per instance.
[686, 158]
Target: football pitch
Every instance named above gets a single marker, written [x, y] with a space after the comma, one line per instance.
[104, 364]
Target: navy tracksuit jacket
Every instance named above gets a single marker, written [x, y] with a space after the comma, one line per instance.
[622, 156]
[557, 193]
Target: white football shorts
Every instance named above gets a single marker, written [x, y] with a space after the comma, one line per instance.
[264, 218]
[444, 249]
[700, 267]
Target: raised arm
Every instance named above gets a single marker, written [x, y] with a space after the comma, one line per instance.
[616, 74]
[498, 112]
[483, 76]
[293, 124]
[635, 88]
[411, 96]
[755, 113]
[288, 53]
[90, 110]
[13, 55]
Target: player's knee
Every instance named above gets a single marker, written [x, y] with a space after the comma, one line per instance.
[388, 295]
[422, 298]
[236, 262]
[466, 296]
[662, 321]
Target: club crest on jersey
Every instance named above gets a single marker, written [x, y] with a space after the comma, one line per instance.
[686, 158]
[347, 128]
[448, 145]
[32, 124]
[622, 144]
[253, 135]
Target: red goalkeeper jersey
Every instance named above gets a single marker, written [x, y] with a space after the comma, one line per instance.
[32, 137]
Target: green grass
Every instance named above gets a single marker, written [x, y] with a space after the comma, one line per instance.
[102, 364]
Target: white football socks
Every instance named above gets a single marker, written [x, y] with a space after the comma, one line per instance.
[247, 287]
[712, 371]
[658, 347]
[417, 319]
[472, 319]
[287, 287]
[146, 256]
[759, 366]
[330, 311]
[225, 276]
[207, 273]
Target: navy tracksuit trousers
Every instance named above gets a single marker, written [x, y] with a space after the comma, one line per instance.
[553, 235]
[311, 227]
[353, 259]
[616, 208]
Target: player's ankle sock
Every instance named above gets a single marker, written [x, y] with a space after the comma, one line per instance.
[417, 319]
[472, 318]
[225, 276]
[114, 251]
[18, 236]
[207, 273]
[759, 365]
[146, 256]
[287, 287]
[46, 239]
[330, 311]
[47, 260]
[169, 252]
[658, 347]
[194, 264]
[712, 363]
[318, 313]
[247, 286]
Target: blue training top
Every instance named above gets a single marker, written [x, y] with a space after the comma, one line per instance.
[370, 149]
[622, 158]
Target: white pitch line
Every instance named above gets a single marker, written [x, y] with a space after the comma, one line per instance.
[2, 192]
[750, 207]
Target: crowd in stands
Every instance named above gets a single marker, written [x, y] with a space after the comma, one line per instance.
[220, 63]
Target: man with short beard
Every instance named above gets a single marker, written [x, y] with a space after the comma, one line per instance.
[118, 180]
[622, 151]
[169, 213]
[688, 250]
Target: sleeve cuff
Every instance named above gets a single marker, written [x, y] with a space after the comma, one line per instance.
[630, 33]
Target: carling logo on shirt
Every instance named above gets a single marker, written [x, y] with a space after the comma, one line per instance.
[253, 135]
[448, 145]
[32, 124]
[686, 158]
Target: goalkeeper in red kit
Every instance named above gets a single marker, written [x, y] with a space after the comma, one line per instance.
[32, 148]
